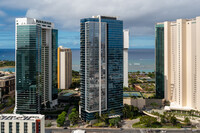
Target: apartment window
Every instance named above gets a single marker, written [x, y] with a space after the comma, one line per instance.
[17, 127]
[10, 127]
[25, 127]
[2, 127]
[39, 128]
[33, 127]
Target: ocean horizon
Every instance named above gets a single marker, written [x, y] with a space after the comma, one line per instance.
[139, 59]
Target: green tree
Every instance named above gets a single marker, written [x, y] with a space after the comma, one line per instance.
[147, 120]
[125, 89]
[75, 84]
[162, 119]
[10, 102]
[138, 72]
[129, 111]
[66, 108]
[114, 121]
[154, 105]
[75, 74]
[187, 121]
[112, 112]
[173, 120]
[61, 119]
[166, 103]
[97, 116]
[73, 117]
[74, 110]
[104, 117]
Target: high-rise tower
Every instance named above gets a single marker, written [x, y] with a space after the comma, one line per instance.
[64, 67]
[101, 66]
[36, 65]
[125, 57]
[178, 62]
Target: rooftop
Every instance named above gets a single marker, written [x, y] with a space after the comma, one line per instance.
[7, 77]
[105, 17]
[30, 117]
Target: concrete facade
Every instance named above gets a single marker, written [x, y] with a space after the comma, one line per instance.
[143, 103]
[22, 123]
[125, 57]
[64, 68]
[7, 85]
[182, 62]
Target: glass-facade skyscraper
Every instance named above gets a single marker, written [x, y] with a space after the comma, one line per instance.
[101, 66]
[36, 65]
[159, 31]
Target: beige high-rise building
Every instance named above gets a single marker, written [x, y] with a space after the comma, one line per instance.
[64, 67]
[178, 62]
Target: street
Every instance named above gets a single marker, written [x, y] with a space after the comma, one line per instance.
[125, 131]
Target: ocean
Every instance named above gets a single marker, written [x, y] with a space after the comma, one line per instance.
[138, 59]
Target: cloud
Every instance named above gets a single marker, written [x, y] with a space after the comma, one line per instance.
[2, 14]
[138, 15]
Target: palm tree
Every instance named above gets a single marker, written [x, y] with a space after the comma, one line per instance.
[104, 117]
[97, 116]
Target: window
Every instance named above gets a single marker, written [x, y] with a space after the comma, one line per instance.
[10, 127]
[17, 127]
[2, 127]
[39, 127]
[33, 127]
[25, 127]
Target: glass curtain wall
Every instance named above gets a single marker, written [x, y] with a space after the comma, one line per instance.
[28, 68]
[160, 60]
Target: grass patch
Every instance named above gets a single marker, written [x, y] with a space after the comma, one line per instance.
[156, 125]
[76, 125]
[147, 95]
[100, 124]
[138, 125]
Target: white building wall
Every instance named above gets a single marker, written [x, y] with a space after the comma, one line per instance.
[21, 123]
[167, 60]
[189, 34]
[198, 62]
[182, 62]
[125, 57]
[173, 62]
[62, 70]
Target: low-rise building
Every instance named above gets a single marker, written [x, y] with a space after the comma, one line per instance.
[7, 86]
[15, 123]
[143, 103]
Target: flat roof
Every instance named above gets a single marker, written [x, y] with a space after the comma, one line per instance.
[7, 77]
[25, 117]
[105, 17]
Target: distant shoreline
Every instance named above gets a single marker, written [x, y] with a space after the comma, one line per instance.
[7, 67]
[75, 48]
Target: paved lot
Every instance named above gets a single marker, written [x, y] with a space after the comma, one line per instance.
[127, 124]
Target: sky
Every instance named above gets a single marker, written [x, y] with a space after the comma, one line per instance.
[139, 16]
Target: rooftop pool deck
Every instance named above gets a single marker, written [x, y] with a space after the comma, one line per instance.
[132, 94]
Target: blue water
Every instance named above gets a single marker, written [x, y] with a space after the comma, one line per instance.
[7, 54]
[139, 59]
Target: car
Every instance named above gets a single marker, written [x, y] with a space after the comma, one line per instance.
[65, 128]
